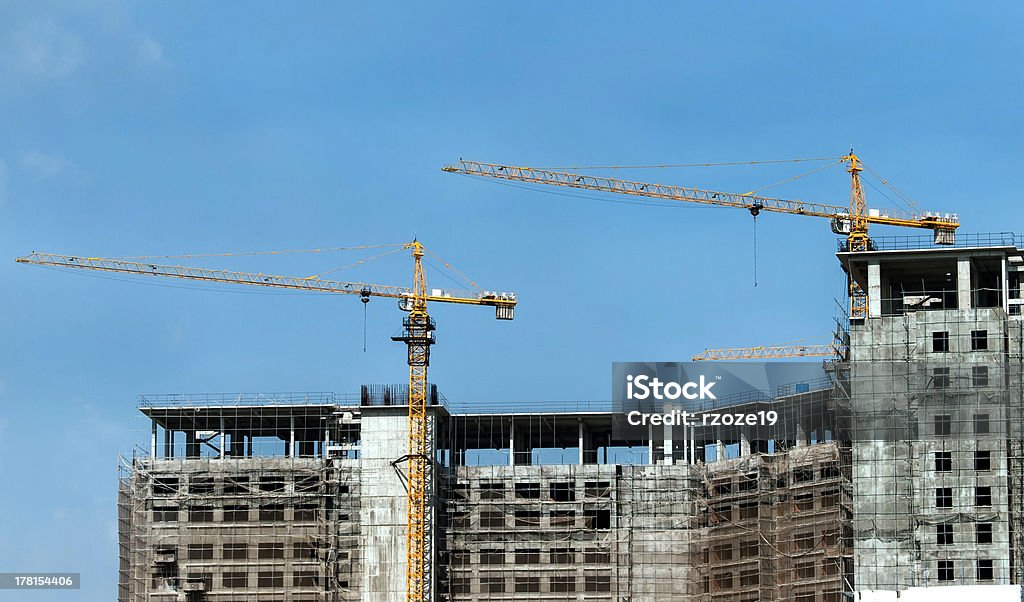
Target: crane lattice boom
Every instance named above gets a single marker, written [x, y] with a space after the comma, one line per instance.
[747, 353]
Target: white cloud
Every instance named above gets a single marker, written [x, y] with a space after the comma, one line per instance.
[49, 167]
[44, 50]
[150, 53]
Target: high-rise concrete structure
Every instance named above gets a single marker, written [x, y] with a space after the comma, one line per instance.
[902, 469]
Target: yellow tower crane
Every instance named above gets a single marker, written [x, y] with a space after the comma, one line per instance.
[418, 335]
[852, 221]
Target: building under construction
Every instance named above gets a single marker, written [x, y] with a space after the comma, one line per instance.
[901, 469]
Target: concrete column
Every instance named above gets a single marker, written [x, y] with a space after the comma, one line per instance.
[963, 282]
[223, 440]
[685, 446]
[512, 442]
[668, 439]
[152, 441]
[693, 446]
[327, 438]
[874, 289]
[291, 436]
[1005, 275]
[650, 443]
[744, 445]
[580, 424]
[801, 435]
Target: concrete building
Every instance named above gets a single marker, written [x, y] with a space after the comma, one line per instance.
[901, 470]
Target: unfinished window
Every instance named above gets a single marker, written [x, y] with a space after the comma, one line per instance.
[945, 570]
[201, 486]
[723, 488]
[562, 584]
[803, 570]
[721, 552]
[829, 498]
[749, 548]
[983, 533]
[749, 578]
[943, 425]
[310, 484]
[979, 376]
[982, 460]
[982, 496]
[165, 486]
[272, 484]
[528, 518]
[527, 585]
[304, 550]
[270, 579]
[597, 583]
[985, 570]
[165, 514]
[459, 519]
[722, 581]
[598, 489]
[236, 580]
[943, 497]
[460, 557]
[492, 584]
[272, 512]
[597, 519]
[528, 556]
[236, 551]
[492, 520]
[562, 492]
[748, 510]
[305, 512]
[460, 491]
[803, 502]
[200, 514]
[563, 518]
[940, 378]
[236, 485]
[562, 556]
[803, 475]
[805, 597]
[940, 341]
[979, 340]
[529, 491]
[943, 461]
[492, 491]
[981, 426]
[492, 557]
[236, 514]
[595, 556]
[944, 534]
[830, 471]
[200, 551]
[461, 585]
[270, 551]
[721, 512]
[305, 579]
[804, 541]
[748, 482]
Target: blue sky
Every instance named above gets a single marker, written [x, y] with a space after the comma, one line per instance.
[197, 127]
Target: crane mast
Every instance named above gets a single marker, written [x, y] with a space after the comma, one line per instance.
[418, 335]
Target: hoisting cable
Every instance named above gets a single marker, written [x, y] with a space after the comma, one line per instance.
[754, 210]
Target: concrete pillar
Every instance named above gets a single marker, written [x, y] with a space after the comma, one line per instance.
[963, 282]
[1005, 275]
[327, 438]
[719, 451]
[744, 445]
[168, 443]
[801, 435]
[668, 439]
[650, 443]
[874, 289]
[511, 441]
[291, 436]
[693, 446]
[580, 425]
[152, 441]
[223, 440]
